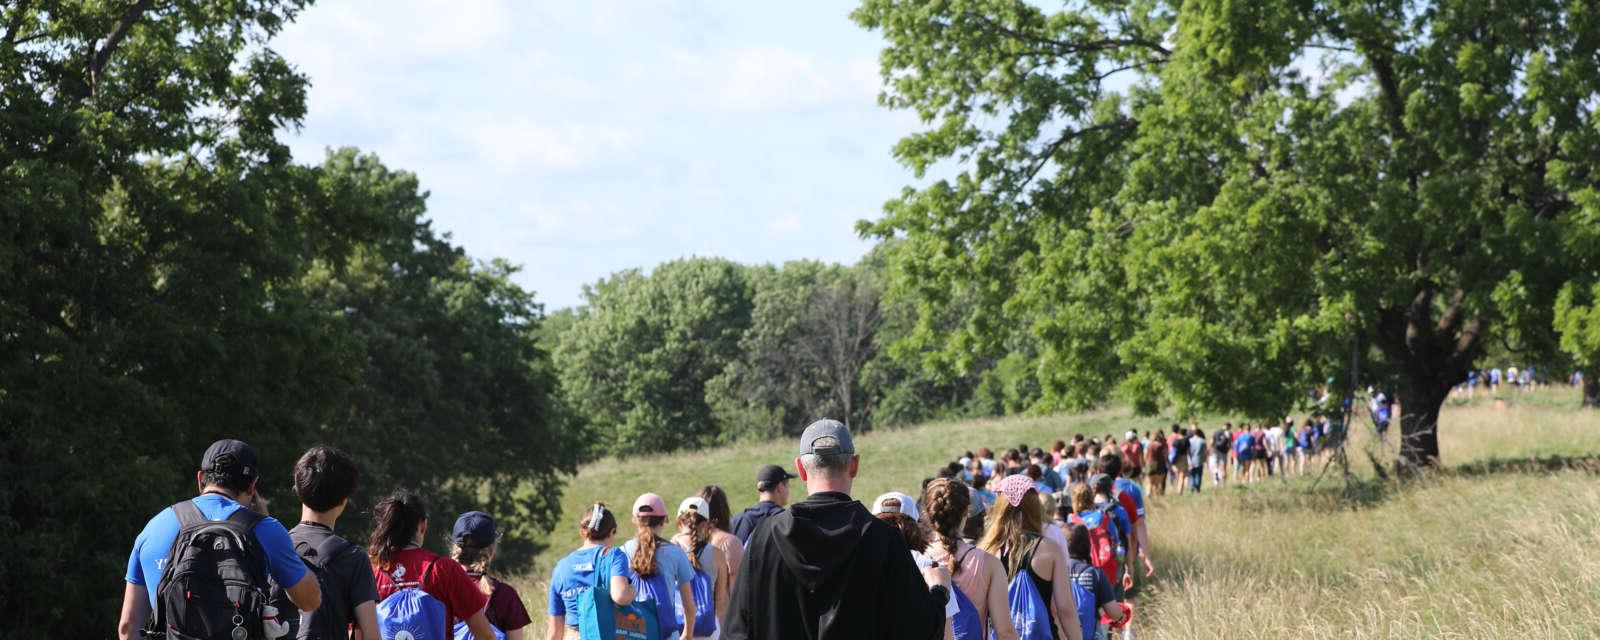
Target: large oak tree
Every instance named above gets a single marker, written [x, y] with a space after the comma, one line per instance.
[1215, 204]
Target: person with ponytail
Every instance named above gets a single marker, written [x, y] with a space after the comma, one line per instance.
[1015, 535]
[400, 524]
[978, 575]
[694, 537]
[475, 541]
[665, 574]
[722, 534]
[594, 563]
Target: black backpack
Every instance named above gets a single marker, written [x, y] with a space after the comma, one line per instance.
[215, 581]
[332, 619]
[1221, 442]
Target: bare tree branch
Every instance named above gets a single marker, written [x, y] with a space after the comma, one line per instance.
[15, 24]
[113, 40]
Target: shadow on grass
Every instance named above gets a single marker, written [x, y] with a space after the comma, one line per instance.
[1589, 463]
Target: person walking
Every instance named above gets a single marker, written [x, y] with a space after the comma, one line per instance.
[722, 535]
[710, 591]
[1043, 602]
[666, 577]
[594, 565]
[772, 486]
[399, 563]
[324, 480]
[475, 541]
[227, 482]
[1197, 459]
[978, 577]
[827, 568]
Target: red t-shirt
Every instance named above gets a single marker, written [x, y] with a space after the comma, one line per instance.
[1123, 498]
[1132, 454]
[447, 581]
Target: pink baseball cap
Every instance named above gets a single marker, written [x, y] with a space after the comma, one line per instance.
[649, 504]
[1014, 487]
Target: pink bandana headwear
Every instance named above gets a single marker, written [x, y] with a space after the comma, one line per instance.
[1014, 487]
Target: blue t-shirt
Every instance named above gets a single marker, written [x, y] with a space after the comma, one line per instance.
[1127, 486]
[150, 549]
[671, 562]
[577, 572]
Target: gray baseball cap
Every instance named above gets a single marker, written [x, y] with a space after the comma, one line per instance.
[834, 435]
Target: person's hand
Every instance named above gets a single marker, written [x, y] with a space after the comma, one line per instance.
[936, 575]
[1149, 569]
[1127, 580]
[688, 634]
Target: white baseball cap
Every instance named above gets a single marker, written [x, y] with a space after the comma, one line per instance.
[696, 504]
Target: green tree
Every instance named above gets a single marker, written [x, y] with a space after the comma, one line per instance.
[444, 362]
[1176, 208]
[637, 360]
[171, 278]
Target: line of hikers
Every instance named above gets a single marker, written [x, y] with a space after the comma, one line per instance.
[948, 565]
[217, 567]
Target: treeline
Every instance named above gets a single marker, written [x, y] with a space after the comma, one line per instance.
[168, 277]
[702, 351]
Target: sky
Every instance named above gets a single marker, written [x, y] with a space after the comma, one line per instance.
[578, 139]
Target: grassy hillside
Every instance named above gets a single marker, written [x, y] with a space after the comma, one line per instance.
[1488, 549]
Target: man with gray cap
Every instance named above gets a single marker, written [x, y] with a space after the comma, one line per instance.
[827, 569]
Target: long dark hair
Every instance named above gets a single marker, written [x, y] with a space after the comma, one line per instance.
[721, 516]
[395, 521]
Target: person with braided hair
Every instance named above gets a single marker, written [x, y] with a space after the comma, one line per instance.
[978, 576]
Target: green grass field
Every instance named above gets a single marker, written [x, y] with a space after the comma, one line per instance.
[1505, 542]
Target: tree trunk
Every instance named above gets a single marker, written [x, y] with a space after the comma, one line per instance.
[1420, 403]
[1591, 391]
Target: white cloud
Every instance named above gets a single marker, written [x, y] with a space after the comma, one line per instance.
[524, 144]
[769, 77]
[783, 225]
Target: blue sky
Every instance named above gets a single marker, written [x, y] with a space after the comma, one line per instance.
[582, 138]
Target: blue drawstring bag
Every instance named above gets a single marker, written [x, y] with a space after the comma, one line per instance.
[601, 619]
[1028, 609]
[413, 614]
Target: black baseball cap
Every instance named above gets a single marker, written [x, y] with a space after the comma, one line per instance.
[231, 457]
[837, 435]
[474, 530]
[772, 475]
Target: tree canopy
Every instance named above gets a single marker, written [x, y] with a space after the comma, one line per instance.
[173, 278]
[1216, 205]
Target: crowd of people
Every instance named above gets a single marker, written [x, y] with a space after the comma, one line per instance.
[1027, 545]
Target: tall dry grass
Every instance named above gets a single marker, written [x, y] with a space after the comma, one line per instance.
[1492, 547]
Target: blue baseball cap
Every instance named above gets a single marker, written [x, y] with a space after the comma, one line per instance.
[474, 530]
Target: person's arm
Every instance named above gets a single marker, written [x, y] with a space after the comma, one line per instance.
[478, 623]
[514, 634]
[135, 612]
[622, 591]
[999, 609]
[724, 580]
[306, 593]
[557, 629]
[367, 621]
[687, 592]
[1144, 546]
[1066, 606]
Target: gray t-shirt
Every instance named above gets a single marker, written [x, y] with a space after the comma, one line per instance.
[1197, 451]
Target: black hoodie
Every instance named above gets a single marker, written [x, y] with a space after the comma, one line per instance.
[827, 570]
